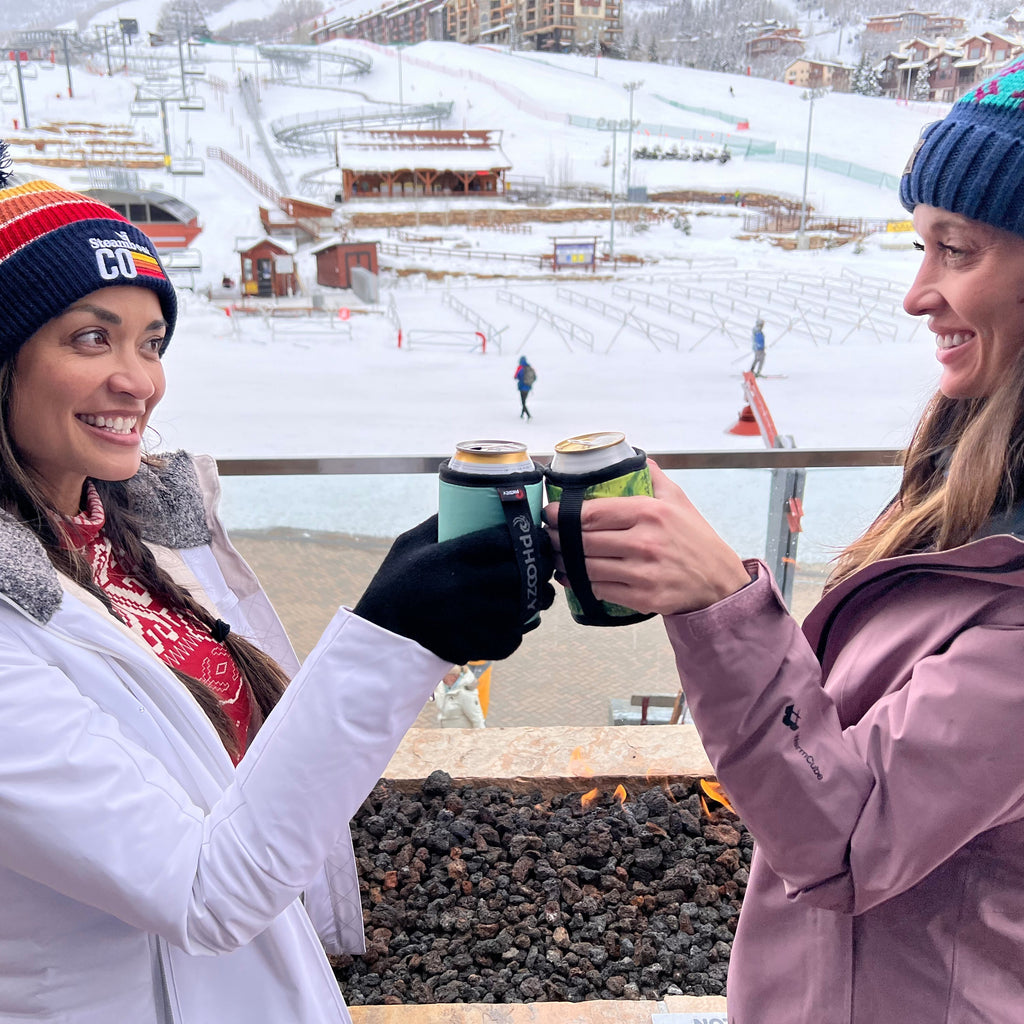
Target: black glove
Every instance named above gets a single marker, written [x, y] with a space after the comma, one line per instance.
[464, 599]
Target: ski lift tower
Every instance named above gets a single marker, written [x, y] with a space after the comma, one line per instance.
[151, 99]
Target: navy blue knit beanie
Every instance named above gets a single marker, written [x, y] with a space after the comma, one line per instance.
[972, 162]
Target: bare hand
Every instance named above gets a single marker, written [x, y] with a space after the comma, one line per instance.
[653, 554]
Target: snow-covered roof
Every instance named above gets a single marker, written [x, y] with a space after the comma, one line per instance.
[819, 63]
[171, 203]
[419, 149]
[384, 159]
[327, 243]
[286, 244]
[902, 14]
[404, 6]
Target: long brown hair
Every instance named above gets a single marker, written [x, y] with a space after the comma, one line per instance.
[21, 495]
[964, 464]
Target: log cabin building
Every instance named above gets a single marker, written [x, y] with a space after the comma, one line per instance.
[421, 162]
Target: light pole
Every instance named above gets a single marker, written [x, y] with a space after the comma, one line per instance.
[811, 95]
[611, 223]
[21, 88]
[106, 46]
[614, 127]
[597, 46]
[630, 87]
[67, 61]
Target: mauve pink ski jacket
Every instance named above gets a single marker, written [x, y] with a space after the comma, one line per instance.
[877, 756]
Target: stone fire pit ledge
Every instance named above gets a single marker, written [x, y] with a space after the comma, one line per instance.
[590, 1012]
[552, 759]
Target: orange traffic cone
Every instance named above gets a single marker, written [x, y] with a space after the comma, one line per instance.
[746, 424]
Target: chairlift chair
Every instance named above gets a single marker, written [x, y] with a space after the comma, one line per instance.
[192, 103]
[182, 259]
[8, 94]
[144, 108]
[184, 165]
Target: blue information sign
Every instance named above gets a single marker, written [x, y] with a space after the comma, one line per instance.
[574, 254]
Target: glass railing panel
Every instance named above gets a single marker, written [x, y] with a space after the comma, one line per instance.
[381, 505]
[315, 542]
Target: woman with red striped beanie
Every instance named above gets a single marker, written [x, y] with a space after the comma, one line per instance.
[175, 790]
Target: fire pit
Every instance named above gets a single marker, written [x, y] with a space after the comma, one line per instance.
[546, 865]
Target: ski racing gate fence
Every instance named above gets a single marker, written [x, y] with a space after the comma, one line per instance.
[301, 326]
[484, 333]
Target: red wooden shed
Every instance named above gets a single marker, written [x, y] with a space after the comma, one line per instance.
[268, 268]
[335, 260]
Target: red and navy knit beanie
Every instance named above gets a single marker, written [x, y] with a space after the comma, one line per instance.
[57, 246]
[972, 162]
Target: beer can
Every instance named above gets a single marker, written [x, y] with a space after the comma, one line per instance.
[478, 479]
[487, 483]
[599, 465]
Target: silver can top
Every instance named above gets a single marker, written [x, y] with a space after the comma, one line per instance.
[487, 457]
[583, 453]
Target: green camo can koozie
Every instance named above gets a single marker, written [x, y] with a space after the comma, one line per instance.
[600, 465]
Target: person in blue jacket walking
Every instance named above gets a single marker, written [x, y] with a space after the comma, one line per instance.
[525, 376]
[757, 343]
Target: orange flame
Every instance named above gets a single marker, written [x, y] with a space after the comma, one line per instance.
[714, 791]
[578, 764]
[588, 798]
[620, 794]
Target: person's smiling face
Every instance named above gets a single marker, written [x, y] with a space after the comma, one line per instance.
[971, 288]
[84, 386]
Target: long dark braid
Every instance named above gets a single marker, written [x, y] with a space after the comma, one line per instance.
[21, 495]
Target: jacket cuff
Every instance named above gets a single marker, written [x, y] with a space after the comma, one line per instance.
[758, 595]
[356, 621]
[732, 649]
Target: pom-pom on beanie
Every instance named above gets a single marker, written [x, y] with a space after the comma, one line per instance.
[972, 162]
[58, 246]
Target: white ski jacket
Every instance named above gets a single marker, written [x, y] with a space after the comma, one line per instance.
[142, 877]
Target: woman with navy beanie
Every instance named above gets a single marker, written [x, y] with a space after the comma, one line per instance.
[175, 790]
[875, 752]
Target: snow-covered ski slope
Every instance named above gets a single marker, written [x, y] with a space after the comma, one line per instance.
[856, 368]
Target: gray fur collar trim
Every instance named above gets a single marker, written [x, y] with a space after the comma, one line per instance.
[166, 497]
[168, 501]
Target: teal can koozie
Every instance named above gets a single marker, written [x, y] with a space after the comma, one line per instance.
[487, 483]
[600, 465]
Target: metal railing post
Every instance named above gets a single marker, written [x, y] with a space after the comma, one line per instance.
[785, 507]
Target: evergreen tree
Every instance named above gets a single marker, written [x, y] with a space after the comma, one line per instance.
[874, 82]
[860, 80]
[922, 85]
